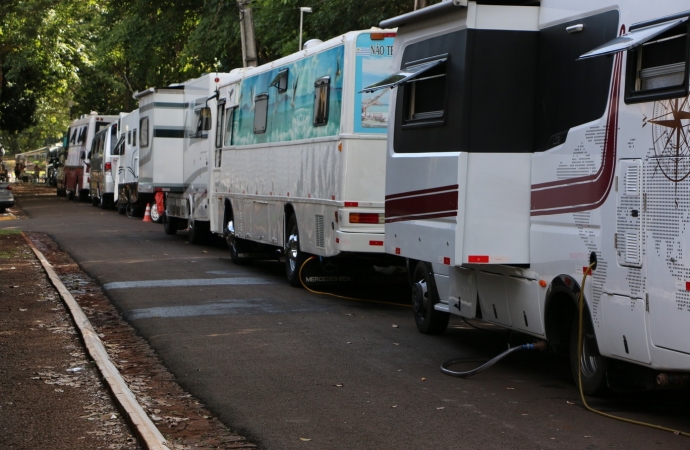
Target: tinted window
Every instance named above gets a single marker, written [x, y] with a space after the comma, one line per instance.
[220, 115]
[260, 113]
[321, 96]
[143, 132]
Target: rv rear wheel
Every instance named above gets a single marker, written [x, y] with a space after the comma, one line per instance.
[424, 297]
[170, 225]
[95, 201]
[294, 257]
[197, 232]
[121, 209]
[82, 196]
[591, 364]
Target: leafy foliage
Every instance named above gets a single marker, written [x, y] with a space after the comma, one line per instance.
[63, 58]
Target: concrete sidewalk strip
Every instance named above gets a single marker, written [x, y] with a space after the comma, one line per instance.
[185, 283]
[147, 432]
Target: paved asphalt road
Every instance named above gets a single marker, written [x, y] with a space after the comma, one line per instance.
[282, 365]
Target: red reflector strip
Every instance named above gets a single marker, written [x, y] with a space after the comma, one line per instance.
[364, 218]
[687, 285]
[352, 204]
[389, 34]
[108, 166]
[478, 259]
[337, 240]
[377, 243]
[397, 250]
[446, 261]
[586, 270]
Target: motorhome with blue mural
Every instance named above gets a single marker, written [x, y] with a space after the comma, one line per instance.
[299, 162]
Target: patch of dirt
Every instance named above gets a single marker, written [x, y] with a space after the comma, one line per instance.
[51, 395]
[184, 421]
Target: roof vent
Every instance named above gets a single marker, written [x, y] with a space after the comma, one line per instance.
[311, 43]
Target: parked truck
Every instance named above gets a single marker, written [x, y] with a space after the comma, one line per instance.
[537, 145]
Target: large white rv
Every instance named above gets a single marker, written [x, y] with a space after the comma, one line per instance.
[76, 172]
[189, 209]
[156, 146]
[299, 160]
[531, 141]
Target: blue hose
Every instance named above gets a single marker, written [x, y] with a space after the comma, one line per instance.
[444, 367]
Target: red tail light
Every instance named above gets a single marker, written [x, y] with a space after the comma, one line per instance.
[108, 166]
[371, 218]
[9, 188]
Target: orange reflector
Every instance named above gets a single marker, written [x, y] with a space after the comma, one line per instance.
[366, 218]
[351, 204]
[377, 36]
[477, 259]
[542, 283]
[340, 146]
[377, 243]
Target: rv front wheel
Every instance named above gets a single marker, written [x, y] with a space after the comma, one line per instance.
[170, 225]
[294, 257]
[591, 363]
[424, 297]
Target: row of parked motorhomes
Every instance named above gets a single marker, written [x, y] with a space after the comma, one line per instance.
[497, 149]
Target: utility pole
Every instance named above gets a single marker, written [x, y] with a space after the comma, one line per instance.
[418, 4]
[247, 34]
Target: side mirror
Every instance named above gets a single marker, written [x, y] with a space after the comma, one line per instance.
[205, 118]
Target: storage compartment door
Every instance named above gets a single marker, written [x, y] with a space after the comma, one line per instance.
[492, 298]
[624, 320]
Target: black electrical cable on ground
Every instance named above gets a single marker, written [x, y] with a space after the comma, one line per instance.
[444, 367]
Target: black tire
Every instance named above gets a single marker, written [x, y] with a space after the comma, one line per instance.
[294, 256]
[105, 202]
[428, 319]
[592, 365]
[2, 210]
[69, 195]
[82, 196]
[170, 225]
[155, 217]
[121, 209]
[197, 232]
[95, 201]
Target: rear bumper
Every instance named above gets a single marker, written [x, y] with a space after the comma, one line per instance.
[359, 242]
[6, 203]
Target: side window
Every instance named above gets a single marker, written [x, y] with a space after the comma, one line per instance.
[658, 69]
[134, 137]
[220, 115]
[119, 147]
[425, 95]
[82, 135]
[144, 132]
[129, 137]
[321, 96]
[203, 122]
[260, 113]
[229, 120]
[280, 81]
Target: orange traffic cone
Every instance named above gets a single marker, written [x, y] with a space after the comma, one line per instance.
[147, 214]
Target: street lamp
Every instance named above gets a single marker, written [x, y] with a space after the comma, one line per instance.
[302, 10]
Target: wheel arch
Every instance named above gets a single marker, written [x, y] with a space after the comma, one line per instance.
[561, 305]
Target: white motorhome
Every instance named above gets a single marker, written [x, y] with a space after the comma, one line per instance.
[189, 209]
[530, 142]
[156, 147]
[76, 172]
[299, 160]
[104, 156]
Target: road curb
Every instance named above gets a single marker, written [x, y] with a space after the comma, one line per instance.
[144, 428]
